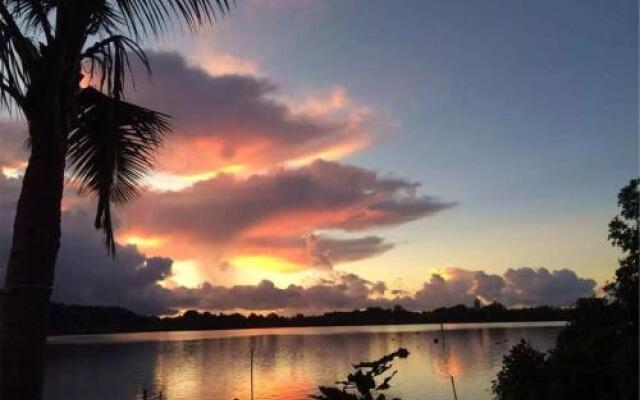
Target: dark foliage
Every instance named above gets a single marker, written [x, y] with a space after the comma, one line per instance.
[112, 150]
[521, 374]
[362, 385]
[83, 319]
[624, 233]
[596, 355]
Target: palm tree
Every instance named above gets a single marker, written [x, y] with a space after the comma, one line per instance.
[104, 143]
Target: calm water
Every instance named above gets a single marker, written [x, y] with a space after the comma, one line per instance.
[289, 362]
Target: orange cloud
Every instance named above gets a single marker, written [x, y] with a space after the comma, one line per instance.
[337, 99]
[185, 273]
[267, 219]
[266, 262]
[173, 182]
[227, 64]
[233, 120]
[14, 171]
[238, 185]
[13, 150]
[143, 242]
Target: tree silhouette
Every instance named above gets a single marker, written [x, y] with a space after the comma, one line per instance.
[596, 354]
[106, 144]
[520, 376]
[624, 232]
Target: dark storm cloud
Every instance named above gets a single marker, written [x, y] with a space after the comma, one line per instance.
[341, 292]
[516, 287]
[234, 106]
[344, 250]
[321, 251]
[349, 291]
[540, 286]
[323, 195]
[85, 274]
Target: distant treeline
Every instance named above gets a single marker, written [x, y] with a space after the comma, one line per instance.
[74, 319]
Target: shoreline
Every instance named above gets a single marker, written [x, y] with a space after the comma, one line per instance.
[336, 329]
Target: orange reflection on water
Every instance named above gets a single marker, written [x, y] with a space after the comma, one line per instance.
[289, 363]
[217, 369]
[449, 365]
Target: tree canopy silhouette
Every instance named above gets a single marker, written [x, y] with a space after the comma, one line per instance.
[596, 355]
[624, 232]
[77, 319]
[84, 127]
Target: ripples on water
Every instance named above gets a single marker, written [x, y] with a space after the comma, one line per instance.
[289, 362]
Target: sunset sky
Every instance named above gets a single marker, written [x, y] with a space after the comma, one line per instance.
[341, 154]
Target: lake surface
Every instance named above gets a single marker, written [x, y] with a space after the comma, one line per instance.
[289, 363]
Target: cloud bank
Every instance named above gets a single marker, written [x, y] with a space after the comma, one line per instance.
[86, 275]
[275, 213]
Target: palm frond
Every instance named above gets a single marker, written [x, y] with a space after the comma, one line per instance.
[24, 47]
[109, 62]
[34, 15]
[13, 77]
[18, 54]
[111, 151]
[105, 19]
[154, 17]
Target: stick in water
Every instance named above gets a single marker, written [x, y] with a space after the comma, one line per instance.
[453, 386]
[442, 333]
[251, 372]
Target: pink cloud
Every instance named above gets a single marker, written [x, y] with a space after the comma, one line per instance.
[274, 213]
[239, 120]
[87, 275]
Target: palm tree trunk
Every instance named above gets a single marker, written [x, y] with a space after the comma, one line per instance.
[30, 270]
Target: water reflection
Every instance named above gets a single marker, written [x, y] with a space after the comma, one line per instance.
[289, 363]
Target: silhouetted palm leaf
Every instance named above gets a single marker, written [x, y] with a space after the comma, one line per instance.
[34, 14]
[112, 150]
[145, 17]
[17, 55]
[108, 62]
